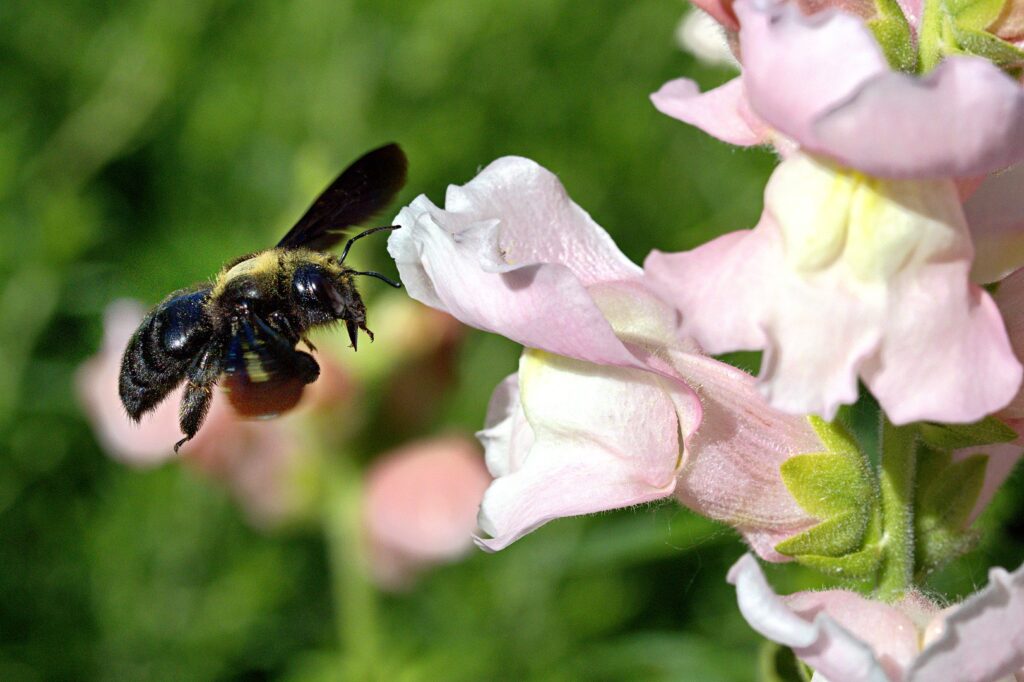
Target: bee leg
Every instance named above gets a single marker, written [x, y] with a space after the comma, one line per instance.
[194, 406]
[353, 333]
[280, 323]
[309, 344]
[198, 394]
[308, 368]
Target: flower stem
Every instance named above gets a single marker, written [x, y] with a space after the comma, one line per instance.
[898, 470]
[355, 598]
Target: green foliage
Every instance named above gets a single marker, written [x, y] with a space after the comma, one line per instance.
[947, 493]
[956, 436]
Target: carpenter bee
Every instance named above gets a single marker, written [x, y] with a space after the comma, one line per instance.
[242, 330]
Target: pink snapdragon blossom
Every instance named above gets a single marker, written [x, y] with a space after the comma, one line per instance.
[609, 409]
[420, 507]
[845, 636]
[860, 264]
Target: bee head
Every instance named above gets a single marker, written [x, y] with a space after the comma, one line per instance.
[324, 297]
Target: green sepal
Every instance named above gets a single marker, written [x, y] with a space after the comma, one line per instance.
[956, 436]
[983, 44]
[859, 566]
[892, 32]
[836, 487]
[974, 14]
[946, 495]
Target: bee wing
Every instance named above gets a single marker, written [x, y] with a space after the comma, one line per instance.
[362, 189]
[264, 375]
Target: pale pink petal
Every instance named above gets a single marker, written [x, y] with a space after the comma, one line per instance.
[512, 254]
[421, 501]
[1002, 459]
[891, 635]
[731, 467]
[727, 274]
[969, 373]
[539, 223]
[507, 437]
[723, 112]
[816, 638]
[603, 438]
[995, 213]
[983, 637]
[827, 306]
[824, 81]
[795, 68]
[1010, 299]
[736, 293]
[964, 118]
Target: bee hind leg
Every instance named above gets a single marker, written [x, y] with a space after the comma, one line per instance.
[198, 394]
[194, 406]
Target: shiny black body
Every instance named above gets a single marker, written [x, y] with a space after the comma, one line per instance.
[242, 330]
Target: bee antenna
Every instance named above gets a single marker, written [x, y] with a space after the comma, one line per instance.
[397, 285]
[365, 233]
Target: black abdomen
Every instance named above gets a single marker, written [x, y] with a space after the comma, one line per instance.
[163, 348]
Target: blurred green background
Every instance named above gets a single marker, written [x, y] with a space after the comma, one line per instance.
[144, 143]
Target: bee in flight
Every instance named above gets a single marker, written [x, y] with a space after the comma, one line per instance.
[243, 329]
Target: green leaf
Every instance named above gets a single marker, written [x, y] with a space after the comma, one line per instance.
[974, 14]
[983, 44]
[892, 32]
[947, 494]
[950, 497]
[956, 436]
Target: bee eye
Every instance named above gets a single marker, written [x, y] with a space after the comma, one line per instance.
[184, 326]
[315, 290]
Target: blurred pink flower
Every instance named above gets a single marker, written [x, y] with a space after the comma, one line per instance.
[253, 459]
[608, 408]
[845, 636]
[420, 507]
[850, 274]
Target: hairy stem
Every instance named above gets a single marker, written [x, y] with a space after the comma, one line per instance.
[897, 476]
[355, 598]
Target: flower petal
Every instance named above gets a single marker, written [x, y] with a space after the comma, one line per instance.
[731, 468]
[512, 254]
[723, 112]
[507, 437]
[983, 638]
[824, 81]
[829, 296]
[835, 653]
[1009, 297]
[603, 438]
[995, 212]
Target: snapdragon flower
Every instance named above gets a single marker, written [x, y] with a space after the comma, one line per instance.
[609, 408]
[845, 636]
[860, 265]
